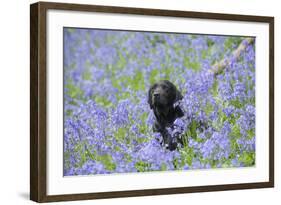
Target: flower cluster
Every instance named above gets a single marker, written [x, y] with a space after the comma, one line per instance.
[108, 122]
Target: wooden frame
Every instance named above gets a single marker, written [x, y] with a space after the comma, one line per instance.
[38, 96]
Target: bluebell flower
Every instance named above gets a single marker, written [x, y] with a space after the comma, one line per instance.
[108, 123]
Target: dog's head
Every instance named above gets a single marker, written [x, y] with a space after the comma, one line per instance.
[163, 94]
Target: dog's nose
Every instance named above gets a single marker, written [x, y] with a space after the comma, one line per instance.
[156, 95]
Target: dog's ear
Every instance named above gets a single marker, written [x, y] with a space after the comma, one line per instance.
[176, 93]
[178, 110]
[149, 100]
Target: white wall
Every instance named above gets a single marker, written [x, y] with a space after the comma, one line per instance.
[14, 103]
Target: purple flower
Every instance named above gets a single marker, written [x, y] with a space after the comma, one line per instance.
[108, 122]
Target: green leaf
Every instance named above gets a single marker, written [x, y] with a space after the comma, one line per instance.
[248, 158]
[121, 62]
[120, 134]
[250, 134]
[208, 108]
[107, 161]
[73, 91]
[235, 131]
[163, 167]
[87, 75]
[142, 166]
[194, 65]
[154, 76]
[187, 154]
[101, 100]
[214, 89]
[236, 103]
[193, 128]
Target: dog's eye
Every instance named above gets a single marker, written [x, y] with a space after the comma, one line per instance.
[164, 87]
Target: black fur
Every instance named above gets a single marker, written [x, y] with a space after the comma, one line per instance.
[161, 98]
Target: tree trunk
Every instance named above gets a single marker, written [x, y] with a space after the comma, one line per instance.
[219, 66]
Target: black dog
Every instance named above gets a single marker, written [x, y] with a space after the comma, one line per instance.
[162, 97]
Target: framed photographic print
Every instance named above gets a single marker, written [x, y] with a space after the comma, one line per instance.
[133, 102]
